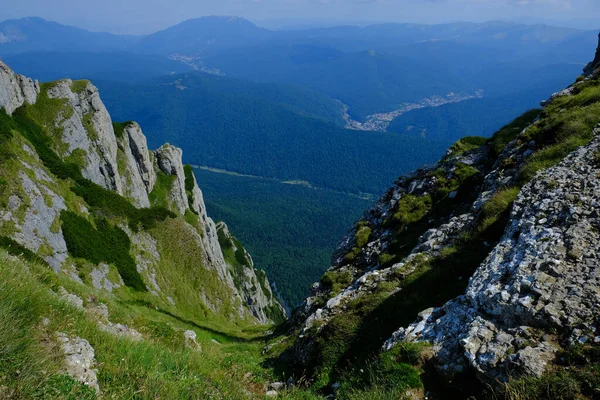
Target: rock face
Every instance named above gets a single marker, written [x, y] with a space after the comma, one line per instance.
[542, 276]
[36, 228]
[115, 157]
[15, 90]
[595, 64]
[168, 159]
[138, 173]
[87, 128]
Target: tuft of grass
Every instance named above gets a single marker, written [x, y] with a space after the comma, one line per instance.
[362, 236]
[411, 209]
[119, 128]
[79, 86]
[496, 206]
[468, 143]
[510, 132]
[336, 281]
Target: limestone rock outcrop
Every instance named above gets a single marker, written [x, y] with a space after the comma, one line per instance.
[543, 276]
[168, 159]
[138, 175]
[507, 228]
[116, 157]
[87, 128]
[16, 90]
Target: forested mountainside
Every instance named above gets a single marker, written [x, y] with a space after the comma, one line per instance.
[228, 124]
[477, 276]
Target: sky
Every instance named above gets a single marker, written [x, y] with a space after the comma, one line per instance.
[146, 16]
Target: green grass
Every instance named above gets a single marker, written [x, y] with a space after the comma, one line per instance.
[158, 367]
[181, 268]
[509, 132]
[159, 197]
[46, 112]
[119, 128]
[467, 143]
[29, 363]
[79, 86]
[496, 207]
[16, 249]
[102, 243]
[577, 378]
[411, 209]
[336, 281]
[565, 124]
[362, 236]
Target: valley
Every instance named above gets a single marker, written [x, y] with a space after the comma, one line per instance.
[290, 230]
[381, 121]
[217, 210]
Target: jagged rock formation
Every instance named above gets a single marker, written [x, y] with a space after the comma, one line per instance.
[493, 266]
[15, 90]
[169, 162]
[139, 181]
[594, 64]
[114, 156]
[543, 276]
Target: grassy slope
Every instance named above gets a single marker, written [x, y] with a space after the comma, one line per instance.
[160, 366]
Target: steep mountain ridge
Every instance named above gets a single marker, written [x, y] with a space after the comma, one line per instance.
[483, 265]
[76, 184]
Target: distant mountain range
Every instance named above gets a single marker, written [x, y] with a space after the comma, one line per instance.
[373, 69]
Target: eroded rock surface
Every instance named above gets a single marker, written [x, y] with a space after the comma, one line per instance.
[16, 90]
[542, 277]
[79, 359]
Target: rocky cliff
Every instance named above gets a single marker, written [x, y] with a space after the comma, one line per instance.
[595, 63]
[485, 263]
[87, 196]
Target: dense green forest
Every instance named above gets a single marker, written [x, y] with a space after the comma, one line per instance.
[290, 230]
[248, 133]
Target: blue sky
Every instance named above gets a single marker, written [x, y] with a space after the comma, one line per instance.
[144, 16]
